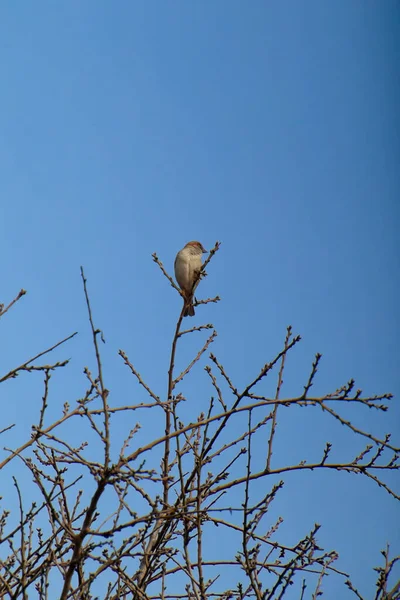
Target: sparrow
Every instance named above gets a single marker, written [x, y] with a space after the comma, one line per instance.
[187, 271]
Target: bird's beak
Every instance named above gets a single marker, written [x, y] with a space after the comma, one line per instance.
[205, 251]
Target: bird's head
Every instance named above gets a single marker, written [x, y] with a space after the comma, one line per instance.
[196, 247]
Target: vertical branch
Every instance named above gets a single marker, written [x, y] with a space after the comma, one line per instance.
[199, 527]
[78, 554]
[325, 566]
[78, 539]
[103, 390]
[186, 523]
[23, 581]
[303, 589]
[278, 390]
[163, 586]
[44, 398]
[167, 409]
[250, 561]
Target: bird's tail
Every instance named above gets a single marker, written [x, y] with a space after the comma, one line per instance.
[188, 308]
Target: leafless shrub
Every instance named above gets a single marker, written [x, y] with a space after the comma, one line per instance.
[136, 522]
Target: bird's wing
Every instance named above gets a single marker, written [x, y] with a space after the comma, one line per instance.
[195, 266]
[182, 272]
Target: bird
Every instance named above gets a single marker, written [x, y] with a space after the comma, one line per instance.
[187, 273]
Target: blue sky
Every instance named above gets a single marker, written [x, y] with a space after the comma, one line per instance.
[132, 127]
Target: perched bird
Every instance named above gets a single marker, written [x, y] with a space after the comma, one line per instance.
[187, 270]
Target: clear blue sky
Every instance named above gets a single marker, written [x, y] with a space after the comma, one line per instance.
[133, 127]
